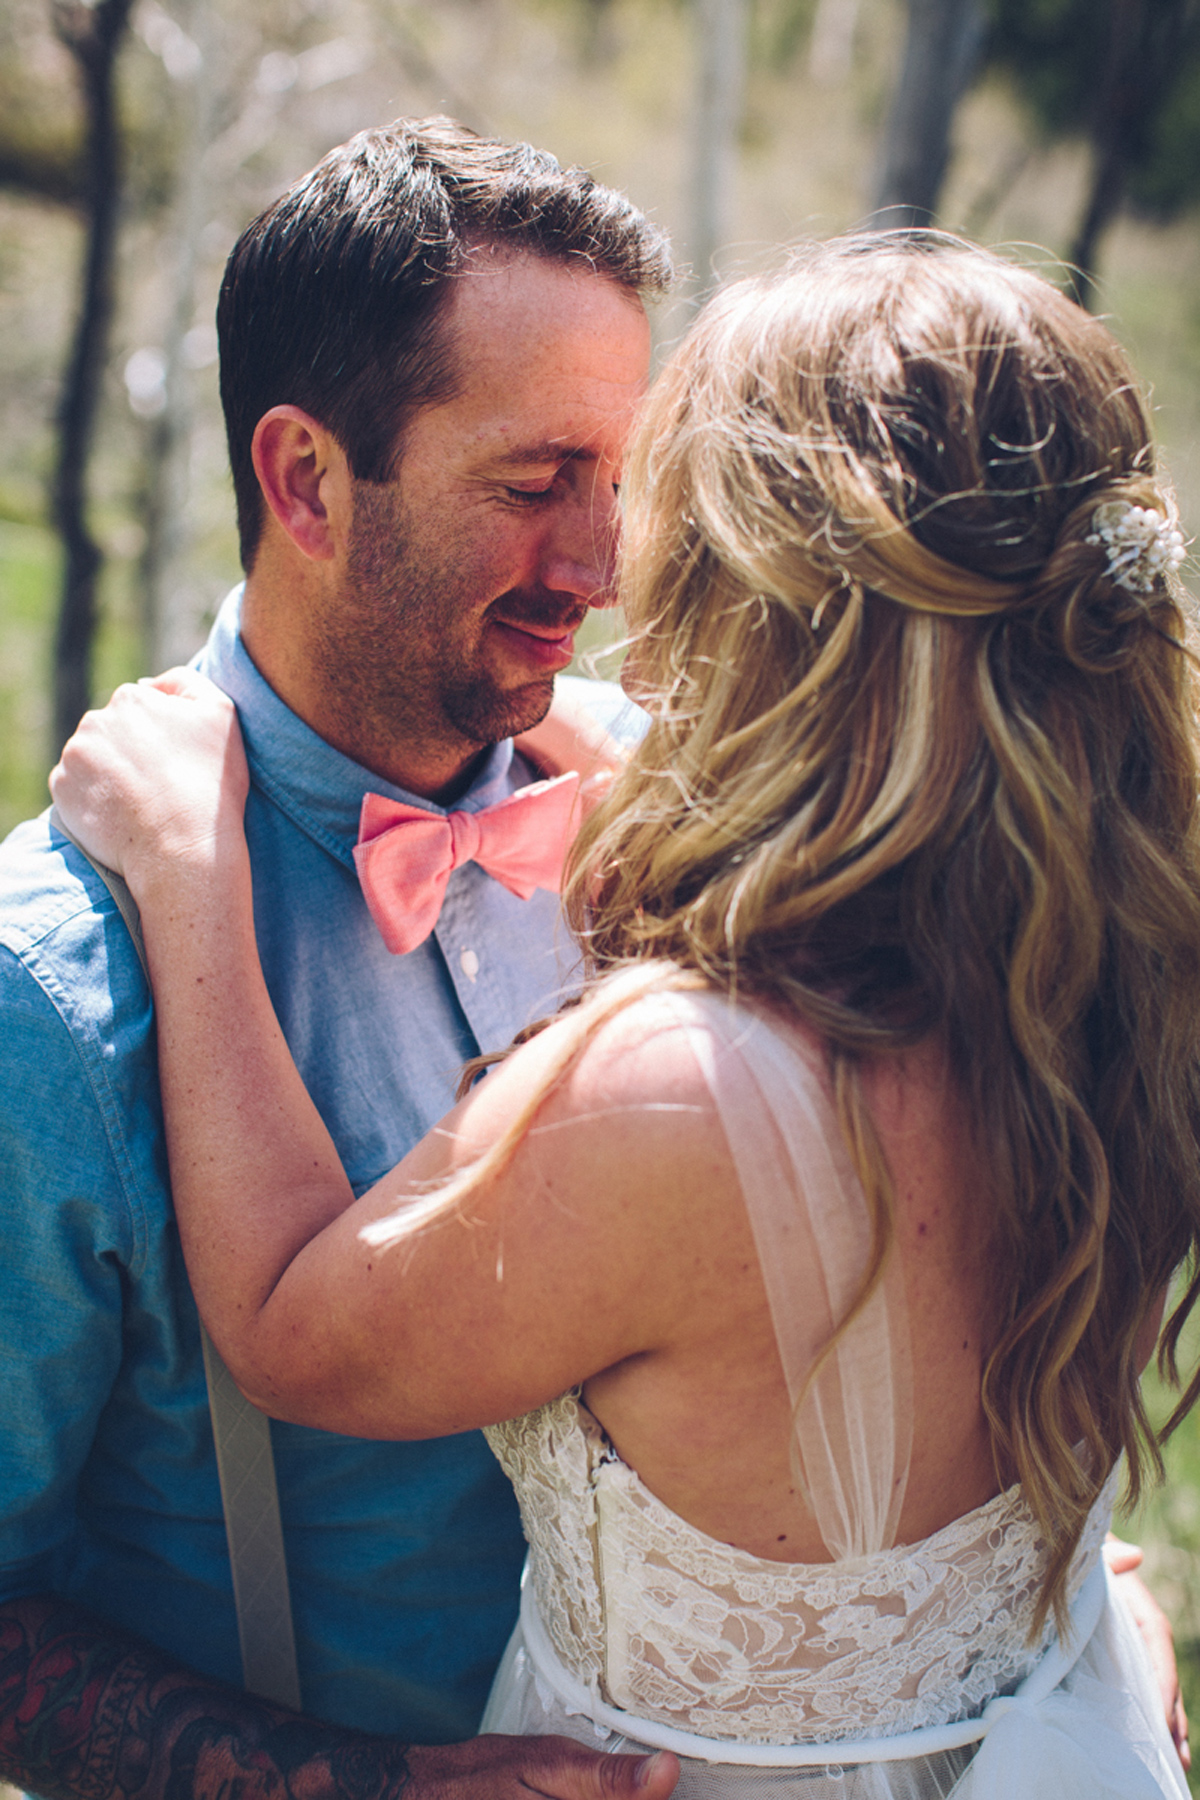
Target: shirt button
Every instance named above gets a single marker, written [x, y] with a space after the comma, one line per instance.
[468, 962]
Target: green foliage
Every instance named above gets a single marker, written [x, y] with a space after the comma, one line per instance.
[1055, 56]
[1169, 179]
[1167, 1525]
[779, 31]
[30, 564]
[1059, 58]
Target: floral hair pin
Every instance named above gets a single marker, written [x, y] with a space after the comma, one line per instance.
[1141, 544]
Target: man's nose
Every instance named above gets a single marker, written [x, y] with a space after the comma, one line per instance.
[580, 555]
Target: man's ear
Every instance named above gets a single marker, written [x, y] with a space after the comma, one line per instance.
[305, 479]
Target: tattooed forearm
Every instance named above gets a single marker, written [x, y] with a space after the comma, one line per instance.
[87, 1713]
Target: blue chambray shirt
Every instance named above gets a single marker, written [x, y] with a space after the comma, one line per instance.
[403, 1558]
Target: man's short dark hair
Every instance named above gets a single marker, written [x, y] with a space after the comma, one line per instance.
[332, 298]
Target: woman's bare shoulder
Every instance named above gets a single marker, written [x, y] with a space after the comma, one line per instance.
[613, 1220]
[638, 1057]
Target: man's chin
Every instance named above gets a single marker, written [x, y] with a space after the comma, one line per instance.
[490, 717]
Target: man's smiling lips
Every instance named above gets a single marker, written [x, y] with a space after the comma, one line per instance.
[547, 646]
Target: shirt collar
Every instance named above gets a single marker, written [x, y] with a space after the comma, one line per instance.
[320, 790]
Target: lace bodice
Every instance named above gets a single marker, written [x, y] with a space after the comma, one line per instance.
[655, 1617]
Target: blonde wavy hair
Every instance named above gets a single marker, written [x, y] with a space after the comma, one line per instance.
[916, 761]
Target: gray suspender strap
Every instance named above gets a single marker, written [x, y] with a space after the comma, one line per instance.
[250, 1495]
[245, 1465]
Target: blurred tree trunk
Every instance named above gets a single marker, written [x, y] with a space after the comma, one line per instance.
[93, 36]
[722, 27]
[831, 45]
[1145, 37]
[941, 51]
[170, 613]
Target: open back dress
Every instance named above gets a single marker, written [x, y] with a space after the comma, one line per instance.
[892, 1672]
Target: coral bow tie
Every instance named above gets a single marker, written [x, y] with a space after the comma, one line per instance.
[406, 856]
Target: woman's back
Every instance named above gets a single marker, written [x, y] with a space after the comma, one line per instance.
[707, 1419]
[674, 1573]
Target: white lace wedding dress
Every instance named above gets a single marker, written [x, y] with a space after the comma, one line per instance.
[891, 1673]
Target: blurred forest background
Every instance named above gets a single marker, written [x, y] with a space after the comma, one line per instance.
[137, 137]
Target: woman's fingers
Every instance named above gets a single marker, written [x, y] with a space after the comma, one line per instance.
[158, 775]
[1159, 1639]
[1120, 1556]
[180, 680]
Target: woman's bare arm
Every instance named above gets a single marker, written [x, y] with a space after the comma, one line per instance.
[156, 788]
[451, 1329]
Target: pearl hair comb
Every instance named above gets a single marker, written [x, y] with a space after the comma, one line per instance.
[1141, 544]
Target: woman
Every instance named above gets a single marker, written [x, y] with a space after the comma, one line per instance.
[813, 1259]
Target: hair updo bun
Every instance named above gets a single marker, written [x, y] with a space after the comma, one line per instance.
[1112, 576]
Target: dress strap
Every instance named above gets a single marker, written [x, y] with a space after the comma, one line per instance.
[854, 1418]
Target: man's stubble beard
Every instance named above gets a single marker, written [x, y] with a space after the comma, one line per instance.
[394, 665]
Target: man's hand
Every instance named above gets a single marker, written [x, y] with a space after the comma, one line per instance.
[89, 1713]
[1155, 1628]
[493, 1768]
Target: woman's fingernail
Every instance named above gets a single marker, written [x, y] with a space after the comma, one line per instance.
[646, 1769]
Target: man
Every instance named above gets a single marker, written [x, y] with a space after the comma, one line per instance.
[432, 348]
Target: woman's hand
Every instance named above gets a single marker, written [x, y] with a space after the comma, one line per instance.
[1152, 1622]
[568, 738]
[155, 784]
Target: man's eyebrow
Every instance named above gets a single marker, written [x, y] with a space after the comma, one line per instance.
[529, 456]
